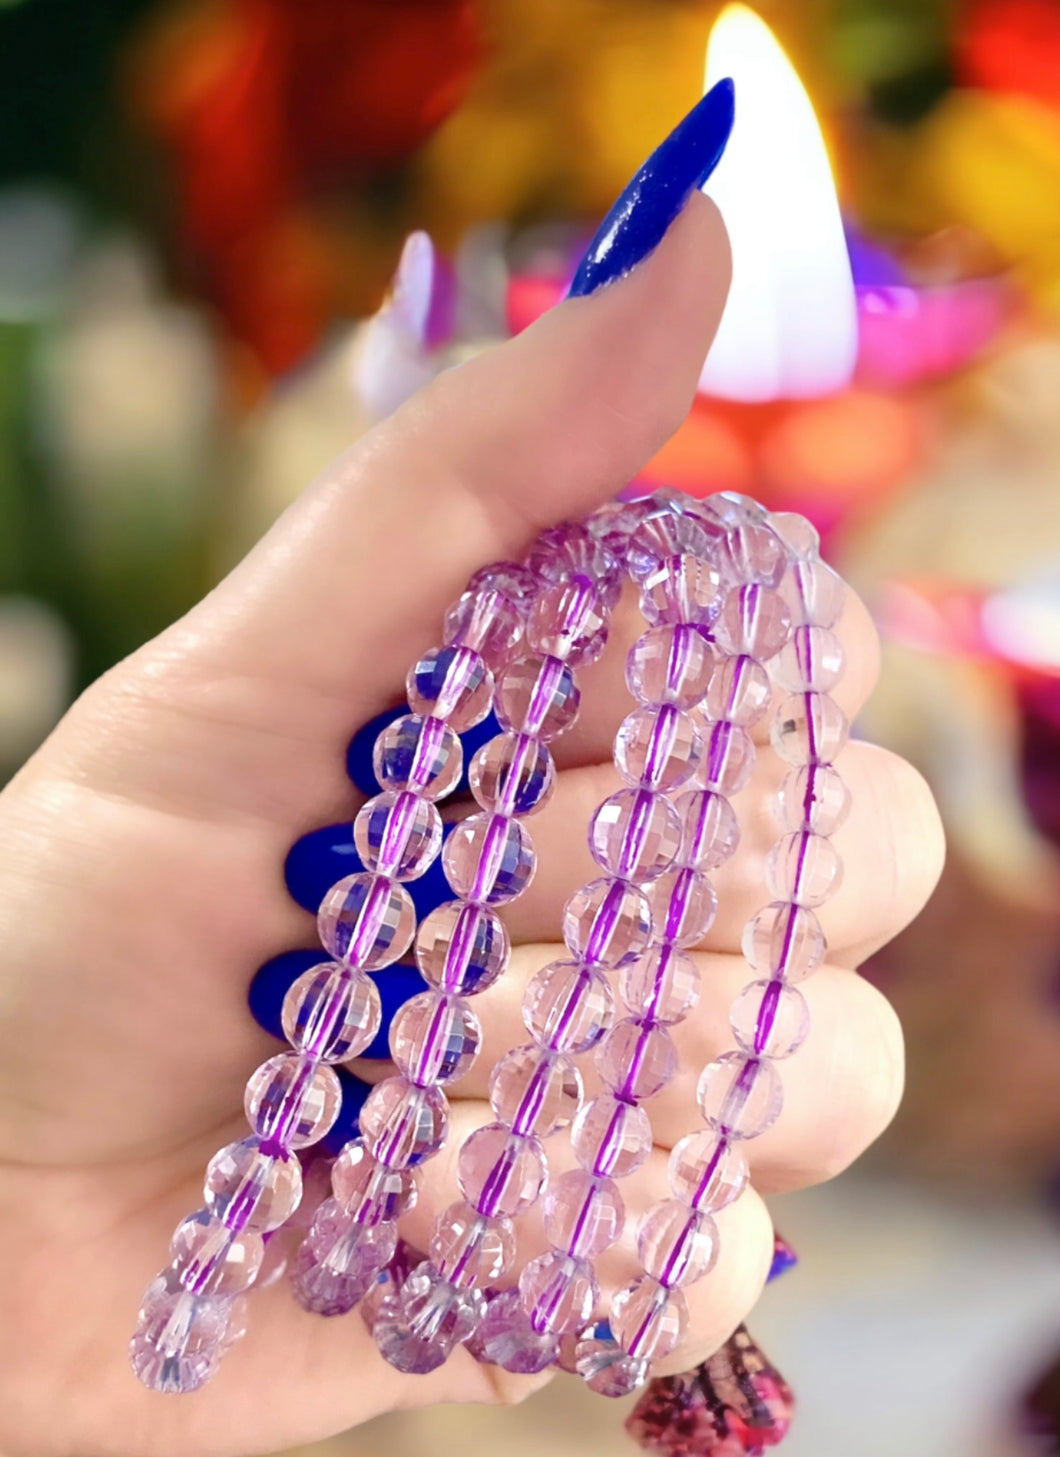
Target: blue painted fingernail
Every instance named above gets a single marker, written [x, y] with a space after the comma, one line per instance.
[784, 1258]
[347, 1124]
[397, 985]
[316, 861]
[639, 220]
[359, 754]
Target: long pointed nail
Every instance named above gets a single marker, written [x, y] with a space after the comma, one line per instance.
[639, 220]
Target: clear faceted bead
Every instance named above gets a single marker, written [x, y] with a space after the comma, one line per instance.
[648, 1320]
[753, 621]
[571, 550]
[251, 1189]
[662, 985]
[338, 1260]
[292, 1100]
[398, 834]
[677, 1245]
[804, 868]
[537, 695]
[657, 747]
[636, 1059]
[584, 1215]
[615, 521]
[670, 664]
[711, 831]
[784, 942]
[770, 1019]
[607, 922]
[331, 1013]
[559, 1292]
[367, 921]
[512, 775]
[402, 1124]
[801, 540]
[812, 661]
[814, 593]
[534, 1091]
[604, 1366]
[489, 858]
[813, 798]
[462, 948]
[739, 690]
[418, 753]
[453, 684]
[179, 1338]
[507, 1339]
[728, 757]
[368, 1191]
[435, 1038]
[210, 1259]
[568, 1007]
[501, 1172]
[809, 728]
[611, 1137]
[681, 589]
[707, 1171]
[753, 552]
[487, 620]
[684, 905]
[635, 834]
[569, 621]
[418, 1327]
[730, 509]
[665, 534]
[740, 1096]
[467, 1248]
[517, 582]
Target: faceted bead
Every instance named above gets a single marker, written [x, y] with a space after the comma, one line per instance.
[662, 985]
[571, 550]
[367, 921]
[707, 1171]
[739, 690]
[812, 661]
[251, 1189]
[453, 684]
[179, 1338]
[770, 1019]
[635, 834]
[462, 948]
[814, 593]
[809, 728]
[489, 858]
[730, 509]
[569, 621]
[210, 1259]
[402, 1124]
[584, 1215]
[500, 1172]
[604, 1366]
[804, 868]
[740, 1096]
[728, 758]
[469, 1249]
[370, 1192]
[607, 922]
[681, 589]
[338, 1260]
[684, 905]
[422, 754]
[417, 1328]
[753, 552]
[512, 775]
[517, 583]
[670, 664]
[813, 798]
[537, 695]
[657, 747]
[398, 834]
[784, 942]
[535, 1092]
[636, 1059]
[292, 1100]
[331, 1013]
[507, 1339]
[648, 1320]
[559, 1292]
[677, 1245]
[568, 1007]
[611, 1137]
[754, 621]
[614, 522]
[663, 535]
[435, 1038]
[800, 538]
[711, 830]
[488, 621]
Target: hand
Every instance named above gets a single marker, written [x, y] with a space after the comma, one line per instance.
[141, 853]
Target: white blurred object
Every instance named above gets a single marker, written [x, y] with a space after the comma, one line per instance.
[398, 348]
[39, 232]
[36, 675]
[1023, 622]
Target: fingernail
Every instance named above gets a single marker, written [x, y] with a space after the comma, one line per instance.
[639, 220]
[316, 861]
[359, 754]
[784, 1258]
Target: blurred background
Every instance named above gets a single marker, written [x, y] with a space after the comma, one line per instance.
[203, 204]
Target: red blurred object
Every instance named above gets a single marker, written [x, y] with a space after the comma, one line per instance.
[1012, 46]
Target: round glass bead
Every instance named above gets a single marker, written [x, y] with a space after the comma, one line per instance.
[711, 831]
[179, 1338]
[814, 593]
[770, 1019]
[677, 1245]
[517, 582]
[784, 942]
[684, 905]
[466, 1248]
[739, 691]
[559, 1292]
[800, 538]
[331, 1013]
[422, 754]
[507, 1339]
[728, 758]
[604, 1366]
[368, 1191]
[584, 1215]
[569, 621]
[663, 535]
[210, 1259]
[730, 509]
[487, 620]
[292, 1100]
[462, 948]
[489, 858]
[740, 1096]
[568, 1007]
[670, 664]
[571, 550]
[512, 775]
[811, 661]
[636, 1059]
[453, 684]
[804, 868]
[611, 1137]
[813, 798]
[635, 834]
[434, 1038]
[662, 985]
[418, 1326]
[537, 695]
[809, 728]
[707, 1171]
[657, 747]
[535, 1092]
[251, 1189]
[753, 621]
[367, 921]
[681, 589]
[501, 1172]
[753, 552]
[339, 1260]
[648, 1320]
[607, 922]
[402, 1124]
[398, 834]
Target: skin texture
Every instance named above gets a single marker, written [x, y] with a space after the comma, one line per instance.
[140, 887]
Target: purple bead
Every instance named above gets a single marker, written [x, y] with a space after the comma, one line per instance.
[435, 1038]
[740, 1096]
[559, 1292]
[367, 921]
[292, 1100]
[657, 748]
[462, 948]
[338, 1260]
[368, 1191]
[648, 1319]
[801, 540]
[739, 691]
[814, 593]
[813, 798]
[512, 775]
[489, 621]
[753, 621]
[500, 1172]
[489, 858]
[251, 1188]
[662, 985]
[707, 1170]
[670, 664]
[419, 753]
[770, 1019]
[607, 922]
[506, 1338]
[568, 1007]
[537, 696]
[784, 942]
[664, 534]
[812, 661]
[453, 684]
[518, 583]
[210, 1259]
[402, 1124]
[684, 904]
[635, 835]
[179, 1338]
[584, 1214]
[398, 834]
[804, 868]
[753, 552]
[604, 1366]
[469, 1249]
[677, 1245]
[570, 550]
[728, 758]
[809, 728]
[711, 831]
[681, 589]
[535, 1092]
[636, 1059]
[569, 621]
[611, 1137]
[418, 1327]
[331, 1013]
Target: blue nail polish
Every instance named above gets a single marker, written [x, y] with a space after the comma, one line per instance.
[346, 1125]
[316, 861]
[359, 754]
[271, 981]
[639, 220]
[784, 1258]
[397, 985]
